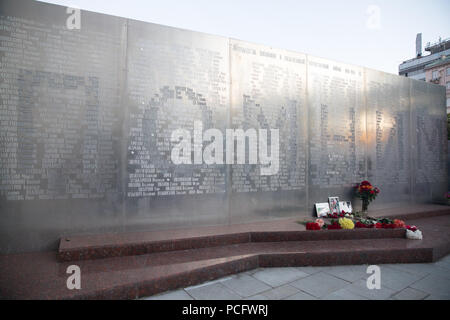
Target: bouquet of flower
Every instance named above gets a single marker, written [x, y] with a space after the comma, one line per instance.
[367, 193]
[413, 233]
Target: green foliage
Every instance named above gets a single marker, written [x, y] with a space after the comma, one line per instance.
[448, 126]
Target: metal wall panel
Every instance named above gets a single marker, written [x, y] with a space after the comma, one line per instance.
[175, 77]
[388, 124]
[269, 92]
[60, 131]
[429, 137]
[337, 129]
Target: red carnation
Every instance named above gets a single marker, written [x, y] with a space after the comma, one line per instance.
[360, 225]
[312, 226]
[334, 226]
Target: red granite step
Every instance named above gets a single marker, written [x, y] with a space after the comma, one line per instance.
[416, 211]
[125, 247]
[128, 277]
[83, 247]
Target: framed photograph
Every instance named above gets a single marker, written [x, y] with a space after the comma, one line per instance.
[322, 209]
[334, 204]
[346, 206]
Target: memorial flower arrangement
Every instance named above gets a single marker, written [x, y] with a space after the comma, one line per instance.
[367, 193]
[347, 223]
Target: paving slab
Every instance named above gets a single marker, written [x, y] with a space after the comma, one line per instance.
[257, 297]
[410, 294]
[245, 285]
[320, 284]
[276, 277]
[280, 292]
[215, 291]
[396, 279]
[172, 295]
[301, 296]
[421, 269]
[349, 273]
[360, 288]
[436, 285]
[343, 294]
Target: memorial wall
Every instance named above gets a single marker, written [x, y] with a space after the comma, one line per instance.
[86, 117]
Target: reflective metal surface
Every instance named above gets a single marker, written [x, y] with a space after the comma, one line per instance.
[337, 129]
[174, 77]
[389, 140]
[269, 92]
[87, 115]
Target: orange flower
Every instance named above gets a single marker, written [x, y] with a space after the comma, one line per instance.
[399, 223]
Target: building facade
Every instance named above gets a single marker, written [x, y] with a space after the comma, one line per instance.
[439, 73]
[434, 67]
[415, 68]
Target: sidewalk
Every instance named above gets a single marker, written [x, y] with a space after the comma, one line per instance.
[398, 282]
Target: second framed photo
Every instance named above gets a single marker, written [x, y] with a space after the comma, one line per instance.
[334, 204]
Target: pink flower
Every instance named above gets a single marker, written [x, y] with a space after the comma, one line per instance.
[320, 222]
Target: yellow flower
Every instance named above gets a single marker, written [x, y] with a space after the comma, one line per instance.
[346, 223]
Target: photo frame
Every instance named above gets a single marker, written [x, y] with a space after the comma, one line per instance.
[322, 209]
[334, 204]
[346, 206]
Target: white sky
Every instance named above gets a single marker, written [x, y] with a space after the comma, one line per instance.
[345, 30]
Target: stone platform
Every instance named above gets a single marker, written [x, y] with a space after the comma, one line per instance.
[133, 265]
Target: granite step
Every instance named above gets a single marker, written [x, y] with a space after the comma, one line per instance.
[130, 277]
[41, 276]
[128, 245]
[99, 246]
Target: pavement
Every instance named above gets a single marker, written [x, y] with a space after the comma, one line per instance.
[416, 281]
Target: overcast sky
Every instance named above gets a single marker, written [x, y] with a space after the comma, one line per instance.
[376, 34]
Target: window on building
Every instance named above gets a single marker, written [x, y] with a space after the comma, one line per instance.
[435, 75]
[448, 71]
[448, 85]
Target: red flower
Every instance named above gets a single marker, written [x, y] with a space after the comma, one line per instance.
[334, 226]
[378, 225]
[359, 224]
[412, 228]
[312, 226]
[372, 192]
[365, 183]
